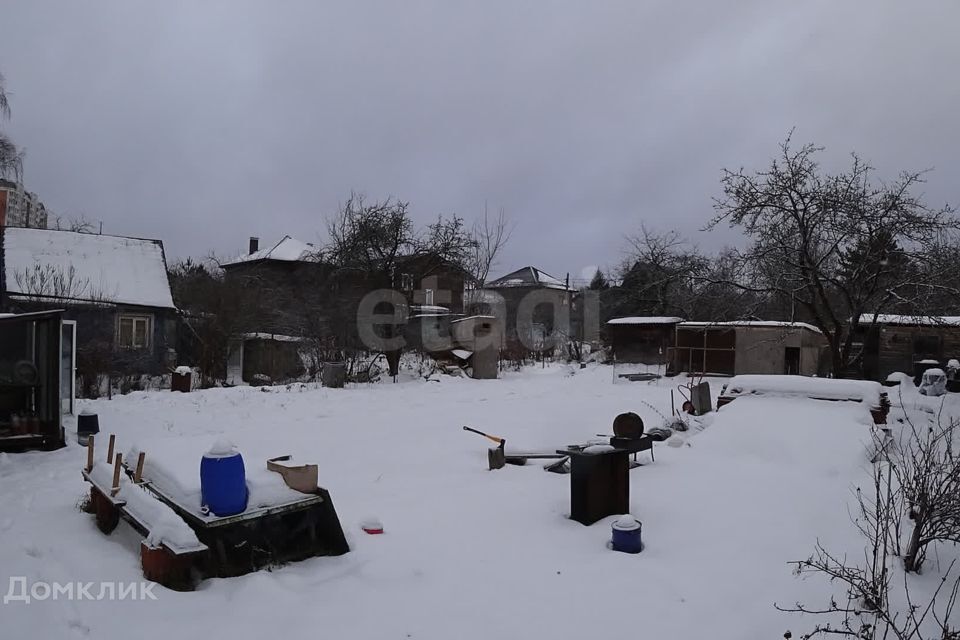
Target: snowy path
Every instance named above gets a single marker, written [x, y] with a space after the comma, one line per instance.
[468, 553]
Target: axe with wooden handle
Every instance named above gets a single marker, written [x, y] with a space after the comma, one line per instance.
[496, 457]
[500, 441]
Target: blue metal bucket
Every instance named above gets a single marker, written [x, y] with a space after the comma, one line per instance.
[626, 534]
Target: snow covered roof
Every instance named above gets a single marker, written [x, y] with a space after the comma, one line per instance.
[111, 269]
[754, 323]
[527, 277]
[646, 320]
[287, 250]
[886, 318]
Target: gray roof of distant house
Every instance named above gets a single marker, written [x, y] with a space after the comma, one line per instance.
[527, 277]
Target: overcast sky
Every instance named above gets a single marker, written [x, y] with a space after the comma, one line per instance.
[203, 123]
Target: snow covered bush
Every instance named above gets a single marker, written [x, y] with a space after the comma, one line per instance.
[913, 503]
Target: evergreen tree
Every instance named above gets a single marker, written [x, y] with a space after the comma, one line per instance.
[599, 281]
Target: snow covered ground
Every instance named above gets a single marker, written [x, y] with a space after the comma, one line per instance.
[468, 553]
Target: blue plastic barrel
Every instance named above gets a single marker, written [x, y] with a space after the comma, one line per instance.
[626, 534]
[223, 482]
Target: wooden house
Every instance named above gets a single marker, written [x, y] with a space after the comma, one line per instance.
[114, 288]
[748, 347]
[286, 292]
[31, 370]
[298, 302]
[909, 344]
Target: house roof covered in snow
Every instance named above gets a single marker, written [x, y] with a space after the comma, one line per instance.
[917, 321]
[49, 264]
[640, 320]
[755, 323]
[527, 277]
[287, 250]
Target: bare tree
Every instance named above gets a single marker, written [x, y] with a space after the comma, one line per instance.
[4, 101]
[836, 246]
[489, 236]
[79, 224]
[370, 236]
[11, 157]
[929, 475]
[665, 275]
[916, 480]
[45, 282]
[449, 239]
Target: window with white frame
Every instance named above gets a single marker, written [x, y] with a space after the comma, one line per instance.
[134, 331]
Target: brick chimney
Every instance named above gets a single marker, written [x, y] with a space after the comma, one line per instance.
[254, 244]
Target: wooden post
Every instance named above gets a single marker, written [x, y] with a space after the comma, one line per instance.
[110, 448]
[116, 475]
[89, 453]
[139, 472]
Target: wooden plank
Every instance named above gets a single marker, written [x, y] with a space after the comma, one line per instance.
[115, 487]
[134, 521]
[89, 452]
[138, 475]
[24, 436]
[144, 530]
[104, 490]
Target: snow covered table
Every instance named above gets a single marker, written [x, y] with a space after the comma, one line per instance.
[866, 392]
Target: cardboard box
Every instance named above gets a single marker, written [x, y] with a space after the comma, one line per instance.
[299, 477]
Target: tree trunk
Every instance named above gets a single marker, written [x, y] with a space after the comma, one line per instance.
[838, 361]
[912, 559]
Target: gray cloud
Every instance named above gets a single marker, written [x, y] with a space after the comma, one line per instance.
[203, 123]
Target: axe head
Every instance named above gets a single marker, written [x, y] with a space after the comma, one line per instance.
[496, 457]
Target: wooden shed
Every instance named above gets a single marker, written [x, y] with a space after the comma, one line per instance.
[744, 347]
[30, 375]
[641, 339]
[906, 343]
